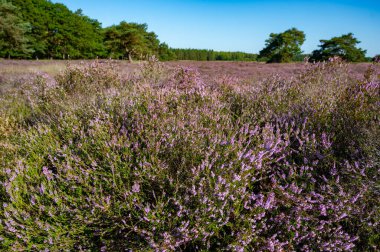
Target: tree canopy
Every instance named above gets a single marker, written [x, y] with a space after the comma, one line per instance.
[42, 29]
[14, 40]
[166, 53]
[58, 32]
[130, 40]
[343, 46]
[283, 47]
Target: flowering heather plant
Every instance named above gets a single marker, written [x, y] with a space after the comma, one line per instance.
[97, 163]
[83, 78]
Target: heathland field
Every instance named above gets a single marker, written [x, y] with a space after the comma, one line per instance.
[189, 156]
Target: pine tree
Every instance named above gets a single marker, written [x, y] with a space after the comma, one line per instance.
[343, 46]
[283, 47]
[13, 32]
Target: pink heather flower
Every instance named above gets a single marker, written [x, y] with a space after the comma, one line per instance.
[349, 246]
[32, 200]
[237, 177]
[108, 200]
[48, 174]
[344, 215]
[270, 200]
[136, 187]
[12, 229]
[333, 170]
[325, 141]
[323, 210]
[42, 189]
[147, 209]
[354, 199]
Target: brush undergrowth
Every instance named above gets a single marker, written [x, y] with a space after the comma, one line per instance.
[162, 161]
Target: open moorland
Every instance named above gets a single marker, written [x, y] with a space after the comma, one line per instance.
[11, 70]
[189, 156]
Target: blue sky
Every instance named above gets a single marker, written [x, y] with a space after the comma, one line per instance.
[241, 25]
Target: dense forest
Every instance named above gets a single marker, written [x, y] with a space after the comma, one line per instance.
[47, 30]
[40, 29]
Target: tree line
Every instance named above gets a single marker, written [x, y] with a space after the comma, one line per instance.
[211, 55]
[37, 29]
[286, 47]
[42, 29]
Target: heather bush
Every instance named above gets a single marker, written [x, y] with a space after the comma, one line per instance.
[94, 77]
[164, 161]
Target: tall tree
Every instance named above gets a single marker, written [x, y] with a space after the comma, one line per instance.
[13, 32]
[57, 32]
[130, 40]
[165, 53]
[283, 47]
[343, 46]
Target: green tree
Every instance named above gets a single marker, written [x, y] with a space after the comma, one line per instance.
[72, 35]
[165, 53]
[343, 46]
[37, 13]
[130, 40]
[13, 32]
[57, 32]
[283, 47]
[210, 55]
[88, 36]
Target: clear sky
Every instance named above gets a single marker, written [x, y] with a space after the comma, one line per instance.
[241, 25]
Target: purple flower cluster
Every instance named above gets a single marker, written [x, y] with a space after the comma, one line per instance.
[164, 162]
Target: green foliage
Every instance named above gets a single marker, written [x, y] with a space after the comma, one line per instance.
[130, 40]
[343, 47]
[211, 55]
[57, 32]
[166, 53]
[301, 57]
[283, 47]
[14, 41]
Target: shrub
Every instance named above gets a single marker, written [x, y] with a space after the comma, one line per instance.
[283, 164]
[94, 77]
